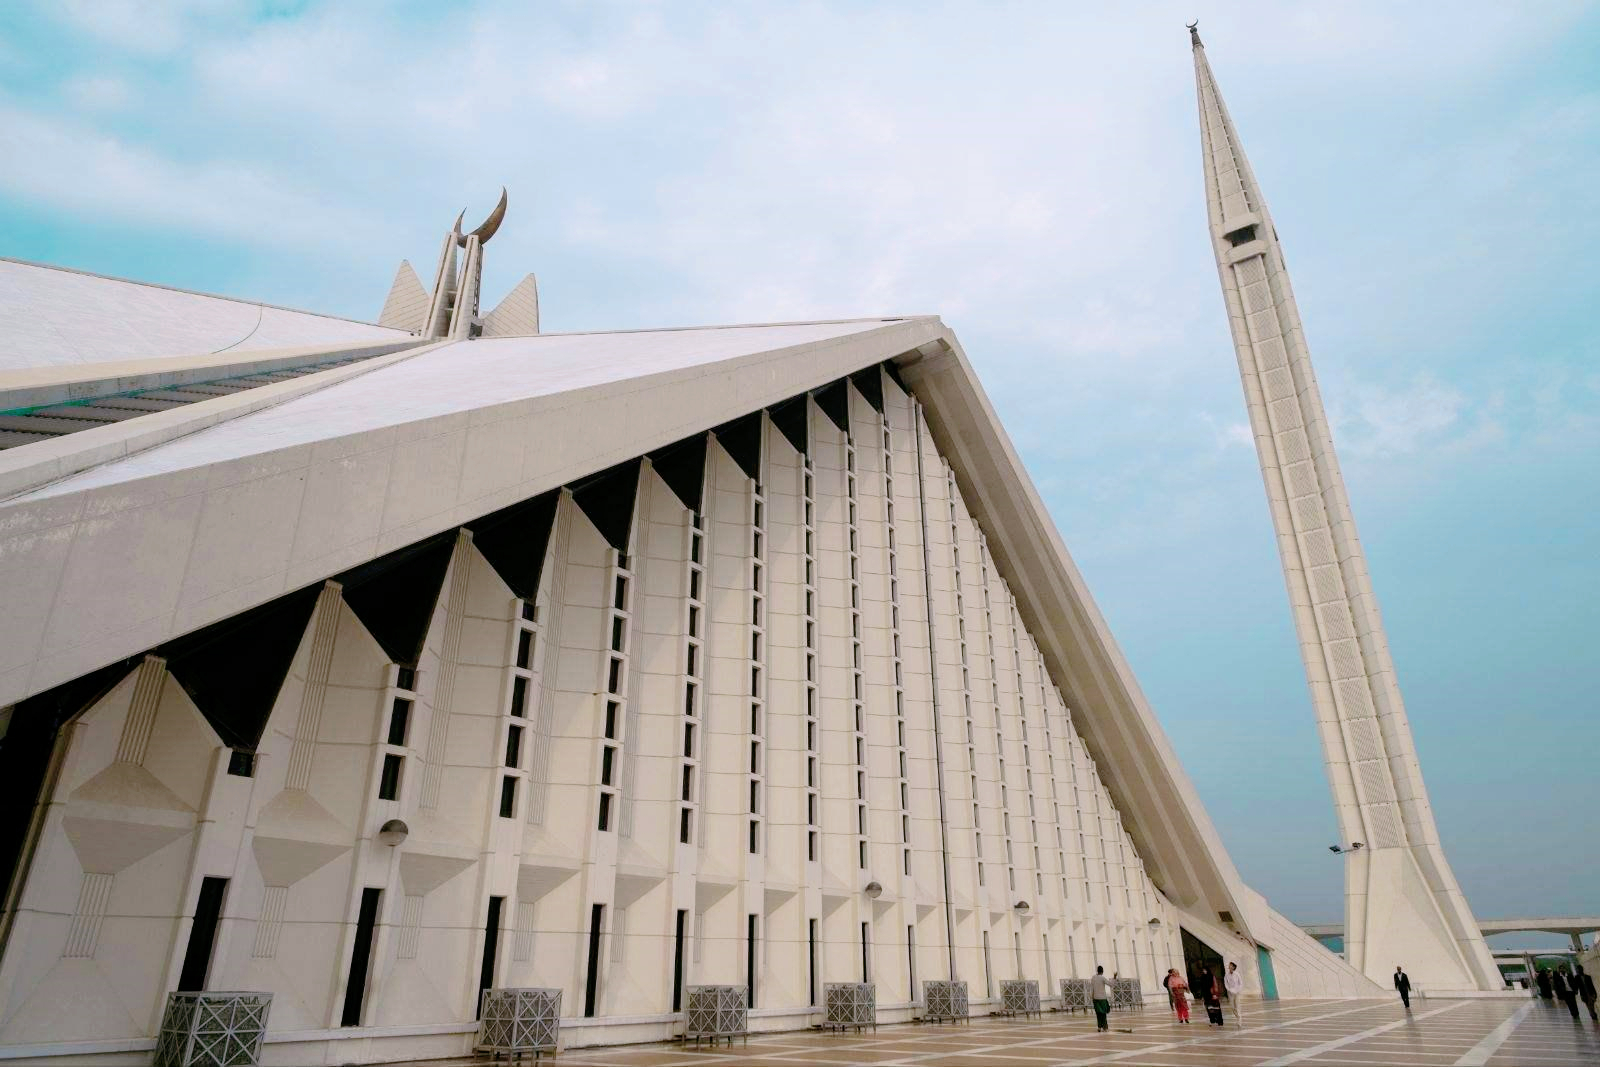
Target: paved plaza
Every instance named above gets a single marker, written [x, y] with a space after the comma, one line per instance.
[1525, 1033]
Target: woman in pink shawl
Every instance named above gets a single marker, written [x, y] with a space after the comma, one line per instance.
[1180, 995]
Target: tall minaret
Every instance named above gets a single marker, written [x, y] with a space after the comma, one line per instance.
[1402, 903]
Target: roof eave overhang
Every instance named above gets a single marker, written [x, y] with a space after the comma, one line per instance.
[1161, 809]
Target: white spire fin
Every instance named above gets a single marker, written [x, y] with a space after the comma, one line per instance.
[517, 314]
[407, 306]
[1402, 901]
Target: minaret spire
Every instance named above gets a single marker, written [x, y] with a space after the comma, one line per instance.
[1402, 903]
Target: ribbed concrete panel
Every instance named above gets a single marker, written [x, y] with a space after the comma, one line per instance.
[407, 305]
[517, 315]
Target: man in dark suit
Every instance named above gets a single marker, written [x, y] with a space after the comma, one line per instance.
[1402, 982]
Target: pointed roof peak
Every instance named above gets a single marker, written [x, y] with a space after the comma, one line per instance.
[1194, 34]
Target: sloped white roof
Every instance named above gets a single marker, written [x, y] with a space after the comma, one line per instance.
[50, 316]
[459, 377]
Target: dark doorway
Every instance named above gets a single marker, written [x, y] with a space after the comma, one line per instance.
[750, 961]
[491, 945]
[1197, 957]
[202, 935]
[677, 961]
[811, 957]
[355, 987]
[591, 989]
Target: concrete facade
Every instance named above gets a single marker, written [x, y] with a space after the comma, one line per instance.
[1402, 902]
[783, 677]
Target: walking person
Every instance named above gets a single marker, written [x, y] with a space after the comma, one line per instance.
[1402, 982]
[1583, 982]
[1166, 983]
[1209, 992]
[1564, 990]
[1178, 989]
[1543, 981]
[1234, 982]
[1100, 993]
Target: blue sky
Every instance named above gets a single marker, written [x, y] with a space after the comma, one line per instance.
[1030, 172]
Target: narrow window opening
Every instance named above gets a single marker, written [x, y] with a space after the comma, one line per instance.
[399, 718]
[355, 987]
[811, 959]
[911, 960]
[508, 797]
[491, 946]
[677, 959]
[389, 780]
[202, 934]
[591, 987]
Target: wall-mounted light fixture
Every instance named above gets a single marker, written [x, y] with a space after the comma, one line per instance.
[393, 833]
[874, 890]
[1355, 846]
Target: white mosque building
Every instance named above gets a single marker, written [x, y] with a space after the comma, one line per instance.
[374, 666]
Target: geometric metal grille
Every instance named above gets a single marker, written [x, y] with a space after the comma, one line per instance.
[1019, 996]
[203, 1029]
[716, 1011]
[1075, 994]
[944, 1000]
[516, 1021]
[1125, 994]
[851, 1004]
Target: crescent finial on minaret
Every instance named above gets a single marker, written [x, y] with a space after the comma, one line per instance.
[1194, 34]
[490, 225]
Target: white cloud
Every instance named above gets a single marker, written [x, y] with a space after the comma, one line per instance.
[133, 25]
[98, 93]
[77, 169]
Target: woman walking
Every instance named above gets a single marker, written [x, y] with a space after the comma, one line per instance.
[1180, 995]
[1207, 992]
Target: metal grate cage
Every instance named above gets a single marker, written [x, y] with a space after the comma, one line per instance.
[851, 1004]
[1019, 996]
[944, 1000]
[517, 1021]
[716, 1011]
[206, 1029]
[1075, 994]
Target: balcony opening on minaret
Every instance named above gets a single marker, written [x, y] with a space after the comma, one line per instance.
[1243, 235]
